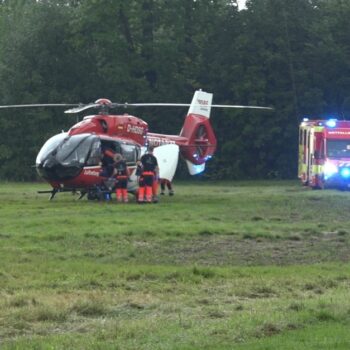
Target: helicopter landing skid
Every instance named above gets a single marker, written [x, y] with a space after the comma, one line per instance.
[54, 191]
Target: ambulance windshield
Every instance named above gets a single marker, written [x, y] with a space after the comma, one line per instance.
[338, 149]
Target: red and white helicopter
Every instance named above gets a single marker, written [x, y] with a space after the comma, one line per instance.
[70, 161]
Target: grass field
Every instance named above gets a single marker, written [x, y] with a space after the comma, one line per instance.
[241, 265]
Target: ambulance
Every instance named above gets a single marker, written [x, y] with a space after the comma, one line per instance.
[324, 153]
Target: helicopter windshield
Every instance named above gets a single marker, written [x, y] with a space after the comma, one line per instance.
[63, 156]
[49, 146]
[75, 149]
[68, 150]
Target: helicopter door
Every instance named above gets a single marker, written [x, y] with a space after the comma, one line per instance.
[131, 153]
[112, 145]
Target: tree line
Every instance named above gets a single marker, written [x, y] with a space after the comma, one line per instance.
[292, 55]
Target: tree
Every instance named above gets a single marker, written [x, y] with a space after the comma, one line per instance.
[292, 55]
[35, 67]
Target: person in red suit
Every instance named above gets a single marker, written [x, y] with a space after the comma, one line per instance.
[150, 171]
[121, 173]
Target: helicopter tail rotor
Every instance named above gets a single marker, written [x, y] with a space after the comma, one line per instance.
[197, 129]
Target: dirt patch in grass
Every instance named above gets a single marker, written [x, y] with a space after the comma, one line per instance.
[218, 250]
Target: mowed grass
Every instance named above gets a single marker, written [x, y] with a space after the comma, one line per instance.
[233, 265]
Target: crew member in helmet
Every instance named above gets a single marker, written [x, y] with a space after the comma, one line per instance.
[121, 173]
[150, 171]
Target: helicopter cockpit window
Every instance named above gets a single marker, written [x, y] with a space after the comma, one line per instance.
[50, 146]
[75, 149]
[130, 153]
[95, 153]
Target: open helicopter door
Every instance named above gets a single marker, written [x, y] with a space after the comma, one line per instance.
[168, 157]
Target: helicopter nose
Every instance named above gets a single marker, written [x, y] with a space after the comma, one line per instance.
[51, 169]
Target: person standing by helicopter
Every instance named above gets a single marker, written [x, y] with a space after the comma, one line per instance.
[121, 173]
[150, 171]
[166, 183]
[107, 170]
[140, 180]
[107, 162]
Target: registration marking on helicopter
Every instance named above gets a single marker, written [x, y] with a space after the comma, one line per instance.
[158, 141]
[135, 129]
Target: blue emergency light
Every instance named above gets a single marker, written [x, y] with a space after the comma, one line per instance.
[345, 173]
[331, 123]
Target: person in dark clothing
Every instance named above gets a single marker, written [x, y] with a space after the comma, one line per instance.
[149, 174]
[166, 183]
[141, 191]
[107, 162]
[121, 173]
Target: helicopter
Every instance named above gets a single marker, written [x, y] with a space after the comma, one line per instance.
[71, 161]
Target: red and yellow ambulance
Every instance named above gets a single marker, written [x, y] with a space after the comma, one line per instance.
[324, 153]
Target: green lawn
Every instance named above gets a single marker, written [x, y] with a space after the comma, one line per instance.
[232, 265]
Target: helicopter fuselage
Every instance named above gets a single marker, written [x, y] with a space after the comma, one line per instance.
[72, 160]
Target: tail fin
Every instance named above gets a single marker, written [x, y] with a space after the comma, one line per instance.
[201, 142]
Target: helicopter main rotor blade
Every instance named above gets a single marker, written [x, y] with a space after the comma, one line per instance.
[238, 106]
[82, 108]
[40, 105]
[188, 104]
[154, 104]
